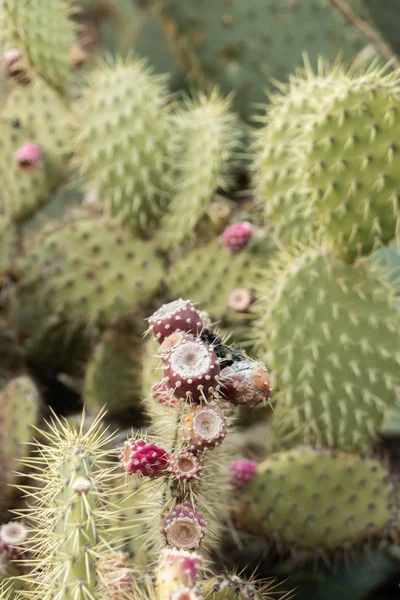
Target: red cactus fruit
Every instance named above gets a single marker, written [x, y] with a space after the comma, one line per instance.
[184, 527]
[204, 427]
[179, 315]
[246, 382]
[29, 156]
[191, 370]
[179, 566]
[242, 472]
[185, 466]
[240, 300]
[138, 456]
[13, 536]
[237, 236]
[161, 392]
[185, 593]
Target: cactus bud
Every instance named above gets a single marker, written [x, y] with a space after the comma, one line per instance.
[179, 315]
[161, 392]
[240, 300]
[204, 427]
[13, 536]
[185, 466]
[138, 456]
[237, 236]
[15, 66]
[184, 527]
[246, 382]
[29, 156]
[242, 472]
[192, 369]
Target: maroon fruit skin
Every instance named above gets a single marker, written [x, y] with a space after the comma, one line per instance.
[204, 427]
[246, 382]
[242, 472]
[184, 527]
[237, 236]
[185, 465]
[191, 370]
[179, 315]
[138, 456]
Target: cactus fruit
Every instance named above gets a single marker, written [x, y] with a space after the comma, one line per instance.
[349, 162]
[29, 156]
[176, 569]
[44, 33]
[237, 236]
[184, 527]
[13, 537]
[179, 315]
[242, 472]
[242, 46]
[139, 456]
[129, 168]
[20, 407]
[89, 271]
[330, 331]
[205, 140]
[246, 382]
[314, 499]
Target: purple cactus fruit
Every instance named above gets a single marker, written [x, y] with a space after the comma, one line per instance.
[191, 370]
[204, 427]
[179, 566]
[242, 472]
[13, 536]
[185, 593]
[29, 156]
[179, 315]
[185, 466]
[138, 456]
[161, 392]
[240, 300]
[246, 382]
[184, 527]
[237, 236]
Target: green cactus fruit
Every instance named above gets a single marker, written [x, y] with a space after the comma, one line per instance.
[23, 192]
[314, 500]
[8, 243]
[127, 167]
[20, 407]
[330, 334]
[88, 271]
[74, 485]
[275, 164]
[119, 353]
[350, 163]
[41, 111]
[206, 136]
[44, 32]
[241, 46]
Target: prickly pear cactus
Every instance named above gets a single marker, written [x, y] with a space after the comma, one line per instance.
[314, 499]
[8, 242]
[330, 333]
[86, 270]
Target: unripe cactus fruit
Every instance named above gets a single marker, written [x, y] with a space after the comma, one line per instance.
[204, 427]
[240, 300]
[179, 315]
[237, 236]
[138, 456]
[191, 370]
[184, 527]
[177, 569]
[29, 156]
[246, 382]
[185, 466]
[242, 472]
[13, 536]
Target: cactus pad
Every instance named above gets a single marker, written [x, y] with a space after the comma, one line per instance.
[8, 242]
[313, 500]
[330, 332]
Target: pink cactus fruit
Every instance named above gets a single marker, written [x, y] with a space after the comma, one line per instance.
[185, 465]
[237, 236]
[13, 537]
[191, 370]
[138, 456]
[246, 382]
[204, 427]
[184, 527]
[242, 472]
[179, 315]
[240, 300]
[185, 593]
[162, 394]
[29, 156]
[178, 568]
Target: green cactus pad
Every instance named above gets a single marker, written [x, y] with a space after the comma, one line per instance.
[330, 334]
[20, 405]
[45, 33]
[8, 242]
[205, 138]
[122, 140]
[351, 164]
[119, 353]
[89, 271]
[311, 500]
[243, 45]
[42, 112]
